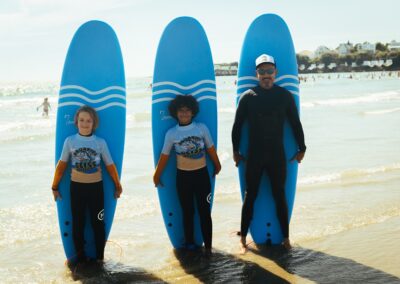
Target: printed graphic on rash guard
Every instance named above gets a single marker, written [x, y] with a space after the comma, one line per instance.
[85, 160]
[190, 147]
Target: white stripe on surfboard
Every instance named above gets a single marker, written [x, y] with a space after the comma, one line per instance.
[97, 108]
[250, 86]
[166, 91]
[276, 80]
[207, 98]
[289, 85]
[296, 93]
[247, 78]
[282, 85]
[71, 95]
[182, 86]
[287, 77]
[246, 86]
[170, 99]
[296, 85]
[90, 92]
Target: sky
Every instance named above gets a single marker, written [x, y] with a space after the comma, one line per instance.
[35, 34]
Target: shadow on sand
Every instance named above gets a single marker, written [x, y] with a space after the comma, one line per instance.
[221, 267]
[111, 272]
[323, 268]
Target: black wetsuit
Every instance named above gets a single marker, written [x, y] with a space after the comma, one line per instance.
[265, 113]
[195, 185]
[88, 196]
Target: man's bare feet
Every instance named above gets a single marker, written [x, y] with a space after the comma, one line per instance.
[286, 243]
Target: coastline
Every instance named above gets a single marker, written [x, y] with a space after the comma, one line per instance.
[345, 70]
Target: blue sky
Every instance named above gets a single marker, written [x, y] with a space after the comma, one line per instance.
[35, 34]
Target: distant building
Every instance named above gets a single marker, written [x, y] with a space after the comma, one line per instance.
[321, 50]
[225, 69]
[388, 62]
[332, 65]
[366, 47]
[312, 67]
[367, 63]
[307, 53]
[394, 45]
[344, 48]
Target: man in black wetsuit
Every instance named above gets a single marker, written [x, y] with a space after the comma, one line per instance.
[265, 108]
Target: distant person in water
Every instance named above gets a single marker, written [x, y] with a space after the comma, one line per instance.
[46, 107]
[191, 141]
[265, 108]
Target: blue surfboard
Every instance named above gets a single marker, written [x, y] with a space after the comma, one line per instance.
[183, 65]
[93, 75]
[269, 34]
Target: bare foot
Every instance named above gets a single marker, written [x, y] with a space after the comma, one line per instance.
[286, 243]
[243, 246]
[208, 252]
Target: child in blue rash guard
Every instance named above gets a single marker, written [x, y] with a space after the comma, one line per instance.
[191, 141]
[86, 150]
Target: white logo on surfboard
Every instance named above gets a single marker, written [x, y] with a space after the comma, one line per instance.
[100, 216]
[209, 198]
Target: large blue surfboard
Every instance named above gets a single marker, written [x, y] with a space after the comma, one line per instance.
[183, 65]
[93, 75]
[269, 34]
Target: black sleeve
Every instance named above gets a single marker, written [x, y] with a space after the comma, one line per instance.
[294, 120]
[240, 117]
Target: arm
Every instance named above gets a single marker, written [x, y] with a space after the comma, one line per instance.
[294, 120]
[112, 170]
[214, 158]
[162, 163]
[110, 167]
[59, 172]
[37, 108]
[240, 117]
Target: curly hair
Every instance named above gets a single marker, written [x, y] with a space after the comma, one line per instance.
[181, 101]
[91, 111]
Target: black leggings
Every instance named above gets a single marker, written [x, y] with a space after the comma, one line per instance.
[276, 171]
[192, 185]
[88, 195]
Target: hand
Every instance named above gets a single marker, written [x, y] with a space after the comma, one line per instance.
[237, 158]
[298, 157]
[56, 194]
[217, 169]
[118, 191]
[157, 181]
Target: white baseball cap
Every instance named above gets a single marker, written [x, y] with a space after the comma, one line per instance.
[265, 58]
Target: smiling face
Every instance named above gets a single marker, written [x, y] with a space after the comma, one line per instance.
[85, 123]
[184, 115]
[266, 73]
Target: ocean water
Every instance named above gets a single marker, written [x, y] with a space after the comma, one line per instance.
[345, 224]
